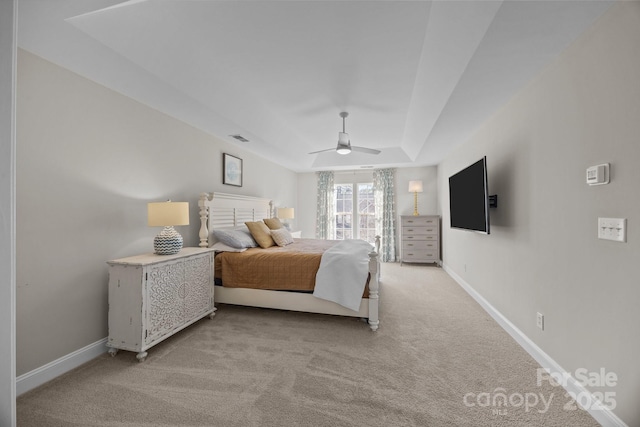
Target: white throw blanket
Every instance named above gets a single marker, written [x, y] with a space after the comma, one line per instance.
[343, 273]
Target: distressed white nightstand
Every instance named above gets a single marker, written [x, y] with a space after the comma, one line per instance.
[151, 297]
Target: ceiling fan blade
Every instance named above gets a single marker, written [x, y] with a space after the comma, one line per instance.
[344, 143]
[322, 151]
[365, 150]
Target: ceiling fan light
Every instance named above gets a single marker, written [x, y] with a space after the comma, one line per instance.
[344, 145]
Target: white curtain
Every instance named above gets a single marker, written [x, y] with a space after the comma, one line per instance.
[325, 206]
[384, 194]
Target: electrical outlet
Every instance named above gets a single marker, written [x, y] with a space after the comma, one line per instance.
[540, 320]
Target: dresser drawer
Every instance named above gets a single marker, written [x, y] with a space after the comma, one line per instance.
[419, 221]
[419, 237]
[420, 245]
[420, 256]
[419, 231]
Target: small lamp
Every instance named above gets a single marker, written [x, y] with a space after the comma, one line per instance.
[167, 214]
[415, 187]
[286, 213]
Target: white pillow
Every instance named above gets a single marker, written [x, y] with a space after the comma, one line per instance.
[282, 237]
[221, 247]
[235, 238]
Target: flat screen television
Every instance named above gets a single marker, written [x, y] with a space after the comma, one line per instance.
[469, 198]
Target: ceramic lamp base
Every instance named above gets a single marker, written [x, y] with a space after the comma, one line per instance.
[168, 242]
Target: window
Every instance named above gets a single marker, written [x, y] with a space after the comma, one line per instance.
[344, 211]
[358, 223]
[366, 213]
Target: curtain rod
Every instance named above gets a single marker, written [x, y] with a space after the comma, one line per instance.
[352, 172]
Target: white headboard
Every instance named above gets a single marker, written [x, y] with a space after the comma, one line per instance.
[218, 210]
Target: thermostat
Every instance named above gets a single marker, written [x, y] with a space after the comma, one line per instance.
[598, 175]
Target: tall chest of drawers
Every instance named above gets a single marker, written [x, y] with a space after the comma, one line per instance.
[420, 238]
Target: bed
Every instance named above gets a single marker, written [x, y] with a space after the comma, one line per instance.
[228, 211]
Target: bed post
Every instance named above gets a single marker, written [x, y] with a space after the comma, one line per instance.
[374, 286]
[204, 215]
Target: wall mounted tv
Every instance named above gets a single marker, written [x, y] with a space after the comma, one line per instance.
[469, 199]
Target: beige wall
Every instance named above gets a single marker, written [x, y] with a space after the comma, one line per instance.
[88, 161]
[306, 209]
[543, 254]
[427, 200]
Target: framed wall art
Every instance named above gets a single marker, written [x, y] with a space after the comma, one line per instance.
[231, 170]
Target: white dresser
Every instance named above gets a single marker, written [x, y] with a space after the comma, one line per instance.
[151, 297]
[420, 238]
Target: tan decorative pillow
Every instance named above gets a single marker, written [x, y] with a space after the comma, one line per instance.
[273, 223]
[282, 237]
[260, 233]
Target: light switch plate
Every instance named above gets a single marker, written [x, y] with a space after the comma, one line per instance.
[612, 229]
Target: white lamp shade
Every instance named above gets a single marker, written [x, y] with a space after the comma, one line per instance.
[415, 186]
[164, 214]
[286, 213]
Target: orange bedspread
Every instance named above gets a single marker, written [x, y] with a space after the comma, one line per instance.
[292, 267]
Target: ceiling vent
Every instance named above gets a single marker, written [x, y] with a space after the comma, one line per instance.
[239, 138]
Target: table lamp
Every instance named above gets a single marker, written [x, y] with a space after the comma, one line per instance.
[286, 214]
[167, 214]
[415, 187]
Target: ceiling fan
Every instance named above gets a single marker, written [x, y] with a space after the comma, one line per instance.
[344, 143]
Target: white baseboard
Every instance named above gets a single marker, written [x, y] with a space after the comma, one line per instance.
[51, 370]
[600, 413]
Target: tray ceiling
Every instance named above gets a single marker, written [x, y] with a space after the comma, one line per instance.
[417, 77]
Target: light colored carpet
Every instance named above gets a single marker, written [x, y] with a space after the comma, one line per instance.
[258, 367]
